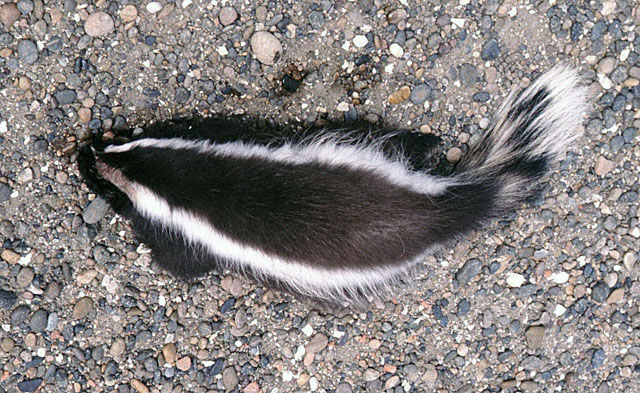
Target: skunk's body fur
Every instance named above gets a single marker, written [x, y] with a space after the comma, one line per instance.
[332, 216]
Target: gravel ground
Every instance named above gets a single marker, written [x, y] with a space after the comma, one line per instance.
[544, 301]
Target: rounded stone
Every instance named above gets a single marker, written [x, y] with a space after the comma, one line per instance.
[419, 94]
[129, 13]
[28, 51]
[454, 155]
[7, 299]
[65, 96]
[227, 16]
[19, 315]
[99, 24]
[38, 321]
[266, 47]
[9, 15]
[82, 308]
[490, 50]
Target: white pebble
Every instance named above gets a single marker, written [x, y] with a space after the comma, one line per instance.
[307, 330]
[458, 22]
[605, 82]
[3, 126]
[342, 107]
[515, 280]
[360, 41]
[559, 310]
[396, 50]
[313, 384]
[287, 375]
[559, 277]
[154, 7]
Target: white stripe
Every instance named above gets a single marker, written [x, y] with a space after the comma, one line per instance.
[325, 151]
[321, 283]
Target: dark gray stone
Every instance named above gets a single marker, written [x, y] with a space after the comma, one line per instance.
[182, 95]
[7, 299]
[65, 96]
[490, 50]
[419, 94]
[5, 192]
[597, 359]
[95, 211]
[468, 271]
[468, 74]
[481, 96]
[38, 321]
[19, 315]
[316, 19]
[600, 292]
[30, 385]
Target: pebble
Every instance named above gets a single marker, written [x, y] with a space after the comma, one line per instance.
[10, 256]
[316, 19]
[616, 296]
[229, 378]
[129, 13]
[468, 271]
[481, 96]
[138, 386]
[534, 336]
[30, 385]
[344, 387]
[25, 276]
[95, 211]
[65, 96]
[419, 94]
[400, 95]
[253, 387]
[85, 277]
[317, 343]
[490, 50]
[371, 374]
[360, 41]
[99, 24]
[9, 15]
[84, 115]
[227, 15]
[468, 74]
[266, 47]
[606, 65]
[82, 308]
[396, 50]
[5, 192]
[169, 352]
[28, 51]
[600, 292]
[515, 280]
[184, 364]
[603, 166]
[559, 277]
[19, 315]
[38, 321]
[7, 299]
[454, 155]
[598, 357]
[154, 7]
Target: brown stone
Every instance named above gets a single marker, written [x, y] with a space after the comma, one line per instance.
[400, 95]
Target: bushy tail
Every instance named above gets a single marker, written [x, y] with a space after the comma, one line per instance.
[530, 132]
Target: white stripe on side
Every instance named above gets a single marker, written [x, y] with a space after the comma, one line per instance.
[325, 151]
[321, 283]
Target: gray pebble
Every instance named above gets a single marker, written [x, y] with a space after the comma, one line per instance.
[227, 15]
[419, 94]
[19, 315]
[344, 387]
[468, 74]
[468, 271]
[38, 321]
[481, 96]
[600, 292]
[28, 51]
[610, 223]
[316, 19]
[266, 47]
[30, 385]
[597, 359]
[182, 95]
[5, 192]
[65, 96]
[95, 211]
[7, 299]
[490, 50]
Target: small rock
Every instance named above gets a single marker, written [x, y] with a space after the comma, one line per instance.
[52, 322]
[529, 386]
[184, 364]
[227, 15]
[344, 387]
[515, 280]
[85, 277]
[468, 271]
[419, 94]
[65, 96]
[490, 50]
[154, 7]
[559, 277]
[616, 296]
[316, 19]
[468, 74]
[629, 260]
[138, 386]
[229, 379]
[7, 299]
[603, 166]
[266, 47]
[5, 192]
[598, 357]
[371, 374]
[99, 24]
[28, 51]
[84, 115]
[253, 387]
[30, 385]
[118, 347]
[95, 211]
[360, 41]
[24, 83]
[25, 176]
[400, 95]
[82, 308]
[397, 15]
[481, 96]
[9, 14]
[600, 292]
[10, 256]
[431, 374]
[25, 277]
[606, 65]
[169, 352]
[129, 13]
[19, 315]
[317, 343]
[396, 50]
[534, 336]
[38, 321]
[454, 155]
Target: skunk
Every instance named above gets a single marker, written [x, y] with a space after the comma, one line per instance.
[334, 215]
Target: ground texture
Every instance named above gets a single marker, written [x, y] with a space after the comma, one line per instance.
[546, 300]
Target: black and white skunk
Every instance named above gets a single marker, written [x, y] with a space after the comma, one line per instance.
[333, 216]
